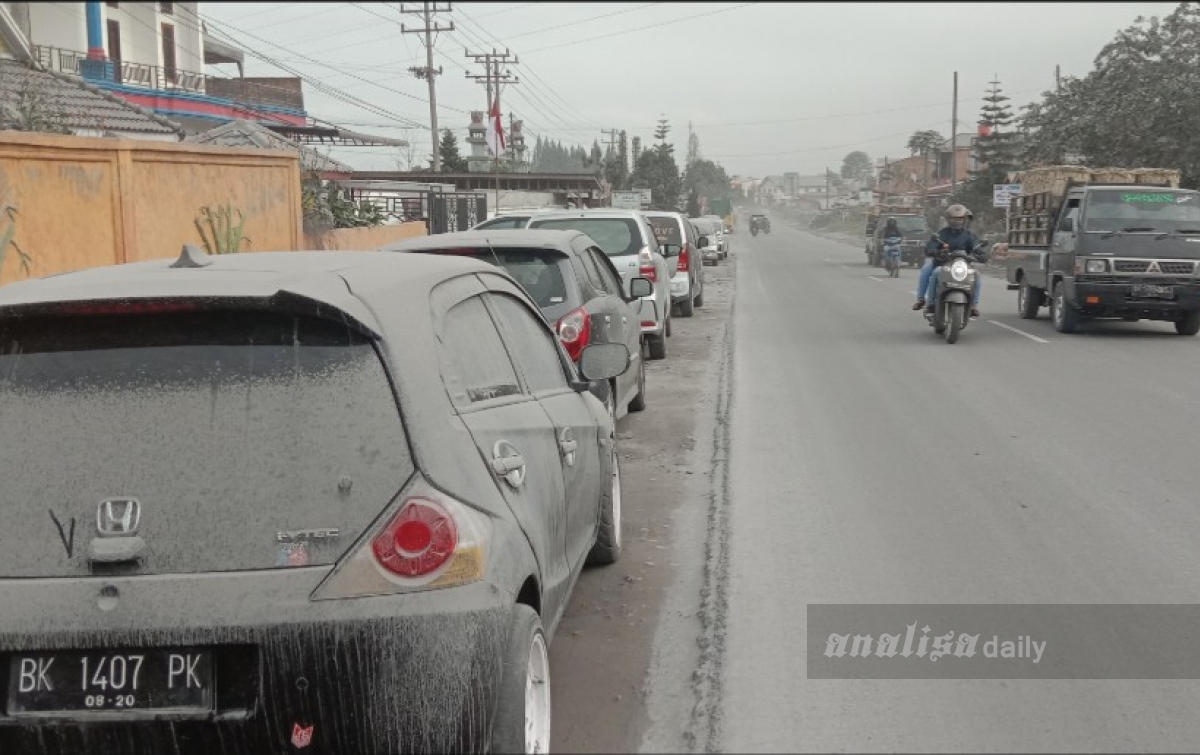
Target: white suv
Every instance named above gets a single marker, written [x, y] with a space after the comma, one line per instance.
[629, 241]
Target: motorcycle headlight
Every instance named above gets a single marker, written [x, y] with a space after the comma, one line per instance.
[1096, 266]
[959, 270]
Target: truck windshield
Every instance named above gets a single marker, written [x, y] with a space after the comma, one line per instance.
[1156, 210]
[910, 224]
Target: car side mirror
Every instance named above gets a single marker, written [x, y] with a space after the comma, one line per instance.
[703, 241]
[1068, 225]
[603, 361]
[640, 287]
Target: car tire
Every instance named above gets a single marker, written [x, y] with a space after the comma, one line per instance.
[607, 549]
[658, 346]
[1188, 324]
[522, 721]
[1029, 301]
[638, 402]
[687, 307]
[667, 328]
[699, 300]
[1065, 319]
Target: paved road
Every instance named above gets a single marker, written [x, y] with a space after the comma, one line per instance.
[867, 461]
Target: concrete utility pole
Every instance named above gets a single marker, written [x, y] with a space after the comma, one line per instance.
[954, 139]
[429, 29]
[494, 74]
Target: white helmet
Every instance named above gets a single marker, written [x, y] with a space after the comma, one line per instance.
[959, 211]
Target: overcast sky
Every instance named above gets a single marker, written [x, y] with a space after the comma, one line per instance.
[767, 87]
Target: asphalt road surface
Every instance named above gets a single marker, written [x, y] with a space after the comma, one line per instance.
[847, 455]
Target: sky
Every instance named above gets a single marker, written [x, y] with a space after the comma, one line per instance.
[767, 87]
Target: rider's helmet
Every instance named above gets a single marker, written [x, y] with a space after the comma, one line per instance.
[957, 216]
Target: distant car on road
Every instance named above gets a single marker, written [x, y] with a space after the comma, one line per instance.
[276, 501]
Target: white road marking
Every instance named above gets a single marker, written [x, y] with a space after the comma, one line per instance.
[872, 277]
[1030, 336]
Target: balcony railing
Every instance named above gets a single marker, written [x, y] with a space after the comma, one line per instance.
[131, 74]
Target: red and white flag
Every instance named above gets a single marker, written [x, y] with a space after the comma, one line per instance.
[495, 130]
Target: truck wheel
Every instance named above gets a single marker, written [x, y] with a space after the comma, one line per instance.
[1189, 324]
[1065, 319]
[1029, 301]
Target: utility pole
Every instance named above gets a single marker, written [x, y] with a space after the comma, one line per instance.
[429, 29]
[954, 139]
[1058, 79]
[494, 74]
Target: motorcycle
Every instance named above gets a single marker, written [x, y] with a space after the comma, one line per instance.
[955, 291]
[892, 252]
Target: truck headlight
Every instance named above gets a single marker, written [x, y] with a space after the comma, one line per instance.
[1096, 266]
[959, 270]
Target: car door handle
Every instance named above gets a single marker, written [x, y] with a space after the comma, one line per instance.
[568, 445]
[508, 463]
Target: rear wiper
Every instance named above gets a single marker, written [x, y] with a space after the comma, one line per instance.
[1131, 229]
[1162, 236]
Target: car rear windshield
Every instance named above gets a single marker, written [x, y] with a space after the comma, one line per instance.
[666, 230]
[910, 224]
[615, 236]
[539, 271]
[250, 440]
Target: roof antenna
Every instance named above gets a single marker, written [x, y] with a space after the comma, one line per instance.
[192, 256]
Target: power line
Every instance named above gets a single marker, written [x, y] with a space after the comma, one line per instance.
[639, 28]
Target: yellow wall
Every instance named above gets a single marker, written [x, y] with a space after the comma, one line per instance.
[85, 202]
[364, 239]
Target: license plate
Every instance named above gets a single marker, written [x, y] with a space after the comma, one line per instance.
[1145, 291]
[110, 681]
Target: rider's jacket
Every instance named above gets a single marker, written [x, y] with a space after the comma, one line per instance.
[959, 239]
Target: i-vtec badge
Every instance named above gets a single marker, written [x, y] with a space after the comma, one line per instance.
[294, 536]
[118, 517]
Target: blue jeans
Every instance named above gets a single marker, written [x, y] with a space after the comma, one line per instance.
[923, 278]
[931, 286]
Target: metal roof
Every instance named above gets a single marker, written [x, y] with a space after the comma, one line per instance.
[244, 133]
[546, 239]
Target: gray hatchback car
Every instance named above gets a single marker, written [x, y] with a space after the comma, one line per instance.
[575, 284]
[335, 501]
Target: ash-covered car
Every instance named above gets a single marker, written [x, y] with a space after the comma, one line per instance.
[335, 501]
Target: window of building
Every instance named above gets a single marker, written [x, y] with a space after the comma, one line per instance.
[168, 52]
[166, 8]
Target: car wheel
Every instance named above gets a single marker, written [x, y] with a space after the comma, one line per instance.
[687, 306]
[658, 346]
[523, 715]
[638, 402]
[1188, 324]
[667, 330]
[608, 540]
[699, 300]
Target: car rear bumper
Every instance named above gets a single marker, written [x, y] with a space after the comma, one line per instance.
[710, 253]
[385, 674]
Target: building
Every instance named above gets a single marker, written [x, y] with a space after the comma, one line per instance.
[251, 134]
[154, 56]
[481, 159]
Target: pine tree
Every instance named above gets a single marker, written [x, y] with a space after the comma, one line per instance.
[452, 161]
[637, 151]
[995, 146]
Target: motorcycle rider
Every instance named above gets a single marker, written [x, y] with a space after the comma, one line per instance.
[954, 237]
[892, 237]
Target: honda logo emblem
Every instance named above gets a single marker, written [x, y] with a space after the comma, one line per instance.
[118, 517]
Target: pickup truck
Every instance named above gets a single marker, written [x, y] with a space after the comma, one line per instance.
[1107, 250]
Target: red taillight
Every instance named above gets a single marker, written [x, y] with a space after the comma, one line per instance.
[575, 330]
[683, 259]
[648, 271]
[418, 540]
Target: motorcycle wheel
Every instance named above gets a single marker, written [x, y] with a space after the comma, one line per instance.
[956, 315]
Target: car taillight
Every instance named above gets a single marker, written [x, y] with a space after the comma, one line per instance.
[575, 330]
[683, 259]
[418, 540]
[426, 540]
[648, 271]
